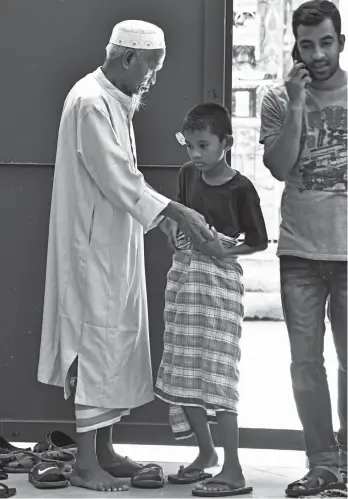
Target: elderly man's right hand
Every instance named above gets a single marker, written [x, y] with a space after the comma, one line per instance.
[194, 226]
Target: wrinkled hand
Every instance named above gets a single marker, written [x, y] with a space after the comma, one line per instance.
[212, 248]
[171, 239]
[296, 82]
[194, 226]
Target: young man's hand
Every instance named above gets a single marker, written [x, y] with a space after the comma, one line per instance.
[212, 248]
[296, 82]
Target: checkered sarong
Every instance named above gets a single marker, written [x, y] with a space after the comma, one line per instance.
[203, 320]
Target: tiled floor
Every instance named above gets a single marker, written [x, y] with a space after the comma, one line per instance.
[268, 472]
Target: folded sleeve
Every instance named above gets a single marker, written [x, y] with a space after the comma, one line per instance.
[272, 116]
[252, 221]
[108, 164]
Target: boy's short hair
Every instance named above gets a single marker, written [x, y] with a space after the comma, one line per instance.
[315, 12]
[209, 115]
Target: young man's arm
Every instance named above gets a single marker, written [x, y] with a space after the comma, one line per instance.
[281, 134]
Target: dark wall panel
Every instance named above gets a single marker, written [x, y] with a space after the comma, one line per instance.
[47, 45]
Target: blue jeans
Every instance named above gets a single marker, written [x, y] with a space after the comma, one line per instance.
[306, 287]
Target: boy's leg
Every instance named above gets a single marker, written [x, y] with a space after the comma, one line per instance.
[88, 472]
[338, 319]
[115, 464]
[207, 456]
[231, 475]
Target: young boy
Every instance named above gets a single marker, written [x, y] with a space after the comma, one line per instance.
[198, 375]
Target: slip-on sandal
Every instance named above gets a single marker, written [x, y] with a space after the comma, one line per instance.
[47, 476]
[149, 477]
[192, 475]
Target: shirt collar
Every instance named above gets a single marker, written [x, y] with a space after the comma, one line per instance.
[125, 100]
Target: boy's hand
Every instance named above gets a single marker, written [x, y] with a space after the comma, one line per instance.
[212, 248]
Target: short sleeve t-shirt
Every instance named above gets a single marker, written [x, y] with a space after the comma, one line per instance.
[314, 202]
[232, 208]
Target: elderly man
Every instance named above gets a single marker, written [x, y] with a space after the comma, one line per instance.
[95, 339]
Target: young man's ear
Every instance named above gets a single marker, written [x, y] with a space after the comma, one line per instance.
[228, 142]
[342, 41]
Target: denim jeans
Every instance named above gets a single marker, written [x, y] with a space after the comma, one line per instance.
[306, 288]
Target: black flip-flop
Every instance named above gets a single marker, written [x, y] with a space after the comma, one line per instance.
[324, 479]
[149, 477]
[183, 478]
[6, 491]
[231, 491]
[47, 476]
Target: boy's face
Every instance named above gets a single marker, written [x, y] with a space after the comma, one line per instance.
[204, 148]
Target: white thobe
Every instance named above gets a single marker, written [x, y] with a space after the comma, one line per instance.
[95, 304]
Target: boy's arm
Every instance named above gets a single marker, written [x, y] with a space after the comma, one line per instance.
[252, 224]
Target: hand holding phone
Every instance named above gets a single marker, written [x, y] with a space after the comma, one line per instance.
[297, 80]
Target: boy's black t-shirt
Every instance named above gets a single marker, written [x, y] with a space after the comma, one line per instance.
[232, 208]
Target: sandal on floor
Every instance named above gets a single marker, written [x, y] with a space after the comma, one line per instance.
[6, 447]
[47, 476]
[6, 492]
[65, 460]
[185, 477]
[227, 492]
[20, 462]
[57, 439]
[149, 477]
[317, 480]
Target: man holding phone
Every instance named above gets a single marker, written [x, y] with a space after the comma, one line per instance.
[304, 132]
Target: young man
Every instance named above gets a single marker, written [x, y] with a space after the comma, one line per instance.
[304, 131]
[95, 326]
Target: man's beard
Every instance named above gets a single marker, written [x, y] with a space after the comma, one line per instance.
[137, 101]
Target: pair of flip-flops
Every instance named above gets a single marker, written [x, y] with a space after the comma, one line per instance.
[6, 491]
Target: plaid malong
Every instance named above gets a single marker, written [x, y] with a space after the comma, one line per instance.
[203, 320]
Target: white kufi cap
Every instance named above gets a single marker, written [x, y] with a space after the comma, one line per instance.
[138, 35]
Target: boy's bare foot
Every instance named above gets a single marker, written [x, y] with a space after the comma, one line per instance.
[202, 462]
[95, 478]
[226, 480]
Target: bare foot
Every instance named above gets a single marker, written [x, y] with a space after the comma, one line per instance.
[201, 462]
[115, 464]
[225, 480]
[95, 478]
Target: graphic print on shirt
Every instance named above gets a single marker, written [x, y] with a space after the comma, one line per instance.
[324, 165]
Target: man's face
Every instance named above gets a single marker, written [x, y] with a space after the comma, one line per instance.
[320, 49]
[143, 69]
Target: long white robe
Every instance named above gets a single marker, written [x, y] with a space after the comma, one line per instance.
[95, 304]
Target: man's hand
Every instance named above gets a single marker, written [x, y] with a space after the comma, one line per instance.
[296, 82]
[171, 240]
[212, 248]
[194, 226]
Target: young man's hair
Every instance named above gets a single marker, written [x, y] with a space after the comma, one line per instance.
[211, 116]
[315, 12]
